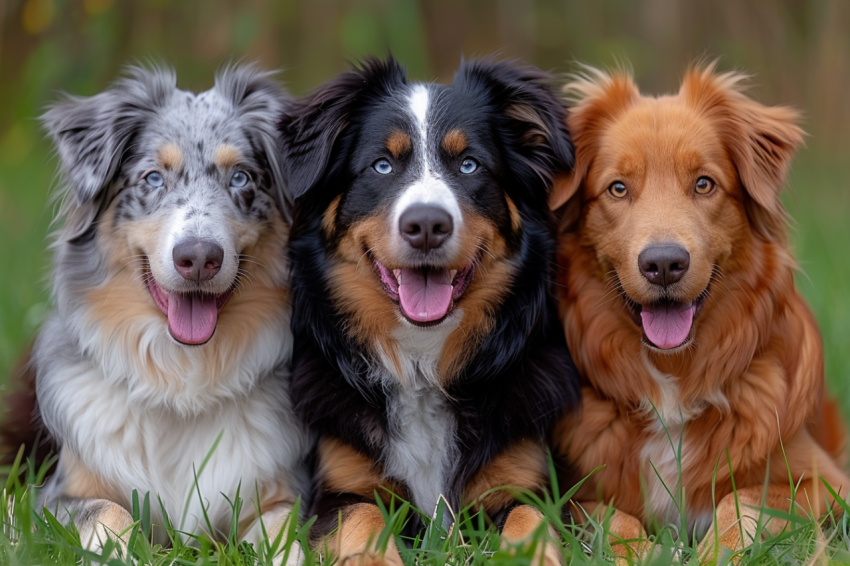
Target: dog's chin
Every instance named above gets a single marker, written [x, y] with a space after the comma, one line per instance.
[667, 325]
[426, 295]
[192, 316]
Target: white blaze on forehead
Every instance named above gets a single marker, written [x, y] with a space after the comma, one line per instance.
[429, 188]
[419, 107]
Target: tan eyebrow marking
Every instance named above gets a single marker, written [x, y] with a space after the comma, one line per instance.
[169, 156]
[454, 142]
[227, 156]
[398, 143]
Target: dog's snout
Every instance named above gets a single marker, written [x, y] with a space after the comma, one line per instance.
[197, 260]
[426, 227]
[664, 264]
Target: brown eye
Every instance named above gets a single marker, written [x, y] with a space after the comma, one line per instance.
[618, 189]
[704, 185]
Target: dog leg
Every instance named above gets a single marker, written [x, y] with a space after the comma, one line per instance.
[521, 523]
[735, 524]
[627, 536]
[354, 542]
[738, 515]
[73, 492]
[275, 520]
[97, 521]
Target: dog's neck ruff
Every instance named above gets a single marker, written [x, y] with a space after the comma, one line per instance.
[140, 356]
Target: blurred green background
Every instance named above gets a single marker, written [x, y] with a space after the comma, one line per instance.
[797, 50]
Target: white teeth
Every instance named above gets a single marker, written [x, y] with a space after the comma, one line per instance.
[397, 273]
[453, 272]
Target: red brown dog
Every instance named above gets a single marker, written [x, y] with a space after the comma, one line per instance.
[679, 304]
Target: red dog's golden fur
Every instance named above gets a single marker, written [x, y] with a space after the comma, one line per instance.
[702, 169]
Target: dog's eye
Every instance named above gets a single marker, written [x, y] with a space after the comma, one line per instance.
[704, 185]
[154, 179]
[468, 166]
[239, 179]
[383, 167]
[618, 189]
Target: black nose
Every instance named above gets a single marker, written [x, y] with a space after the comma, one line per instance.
[197, 260]
[425, 227]
[664, 264]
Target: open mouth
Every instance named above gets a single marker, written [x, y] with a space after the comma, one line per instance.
[427, 295]
[192, 317]
[666, 324]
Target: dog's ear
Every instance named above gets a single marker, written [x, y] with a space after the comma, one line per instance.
[91, 134]
[259, 101]
[761, 141]
[310, 128]
[597, 98]
[534, 116]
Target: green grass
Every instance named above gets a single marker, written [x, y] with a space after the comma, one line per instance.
[30, 536]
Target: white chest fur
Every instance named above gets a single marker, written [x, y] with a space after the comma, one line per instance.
[132, 443]
[665, 452]
[422, 442]
[422, 427]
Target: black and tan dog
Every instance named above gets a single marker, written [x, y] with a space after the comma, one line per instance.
[428, 355]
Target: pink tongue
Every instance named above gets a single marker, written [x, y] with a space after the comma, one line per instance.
[192, 317]
[667, 325]
[425, 295]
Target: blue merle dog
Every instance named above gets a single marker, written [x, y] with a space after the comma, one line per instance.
[170, 338]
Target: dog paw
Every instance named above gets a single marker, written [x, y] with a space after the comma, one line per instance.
[294, 558]
[371, 559]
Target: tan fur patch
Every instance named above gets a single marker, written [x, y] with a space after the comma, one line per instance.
[523, 465]
[521, 523]
[170, 156]
[80, 482]
[398, 143]
[357, 291]
[516, 219]
[115, 519]
[342, 469]
[454, 142]
[329, 218]
[227, 156]
[102, 521]
[355, 538]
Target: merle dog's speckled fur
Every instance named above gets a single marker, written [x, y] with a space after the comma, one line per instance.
[129, 405]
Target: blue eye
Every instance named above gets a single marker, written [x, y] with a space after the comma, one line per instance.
[154, 179]
[383, 167]
[239, 179]
[468, 166]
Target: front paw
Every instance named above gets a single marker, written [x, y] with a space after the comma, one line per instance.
[294, 558]
[391, 558]
[99, 521]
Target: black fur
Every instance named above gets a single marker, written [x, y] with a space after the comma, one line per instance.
[522, 377]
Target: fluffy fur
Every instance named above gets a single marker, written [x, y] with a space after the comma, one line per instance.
[130, 406]
[441, 407]
[748, 379]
